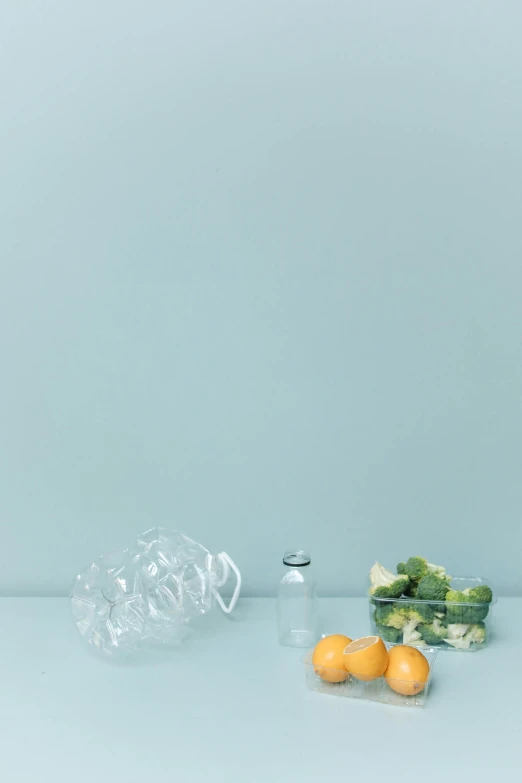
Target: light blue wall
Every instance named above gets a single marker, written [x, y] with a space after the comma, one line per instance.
[261, 279]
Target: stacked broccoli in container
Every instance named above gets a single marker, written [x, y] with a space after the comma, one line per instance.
[428, 612]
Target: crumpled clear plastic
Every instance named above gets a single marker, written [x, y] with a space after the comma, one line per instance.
[150, 592]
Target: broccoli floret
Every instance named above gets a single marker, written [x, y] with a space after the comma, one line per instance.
[481, 594]
[410, 634]
[458, 610]
[476, 633]
[434, 632]
[432, 588]
[417, 567]
[439, 571]
[455, 635]
[391, 615]
[406, 617]
[462, 636]
[397, 614]
[384, 584]
[387, 633]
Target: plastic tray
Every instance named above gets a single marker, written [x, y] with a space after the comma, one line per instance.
[375, 690]
[457, 583]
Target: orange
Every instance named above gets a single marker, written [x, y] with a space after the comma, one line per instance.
[407, 670]
[327, 658]
[366, 658]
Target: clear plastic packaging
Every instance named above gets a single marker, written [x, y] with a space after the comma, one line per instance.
[460, 626]
[297, 606]
[374, 690]
[150, 592]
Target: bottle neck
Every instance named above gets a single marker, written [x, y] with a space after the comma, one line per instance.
[297, 559]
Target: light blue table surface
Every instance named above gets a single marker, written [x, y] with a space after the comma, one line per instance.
[232, 705]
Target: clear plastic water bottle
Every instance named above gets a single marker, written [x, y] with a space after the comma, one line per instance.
[148, 594]
[297, 606]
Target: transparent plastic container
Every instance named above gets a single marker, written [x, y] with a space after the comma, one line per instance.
[465, 617]
[374, 690]
[297, 606]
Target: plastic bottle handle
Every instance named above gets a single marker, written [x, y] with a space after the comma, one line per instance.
[227, 564]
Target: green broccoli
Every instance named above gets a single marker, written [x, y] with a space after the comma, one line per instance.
[466, 606]
[482, 594]
[461, 636]
[390, 614]
[477, 633]
[402, 617]
[384, 584]
[414, 568]
[432, 588]
[434, 632]
[387, 633]
[417, 567]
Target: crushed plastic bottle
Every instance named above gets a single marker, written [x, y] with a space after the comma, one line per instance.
[149, 593]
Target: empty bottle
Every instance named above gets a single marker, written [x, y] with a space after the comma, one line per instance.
[297, 606]
[150, 592]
